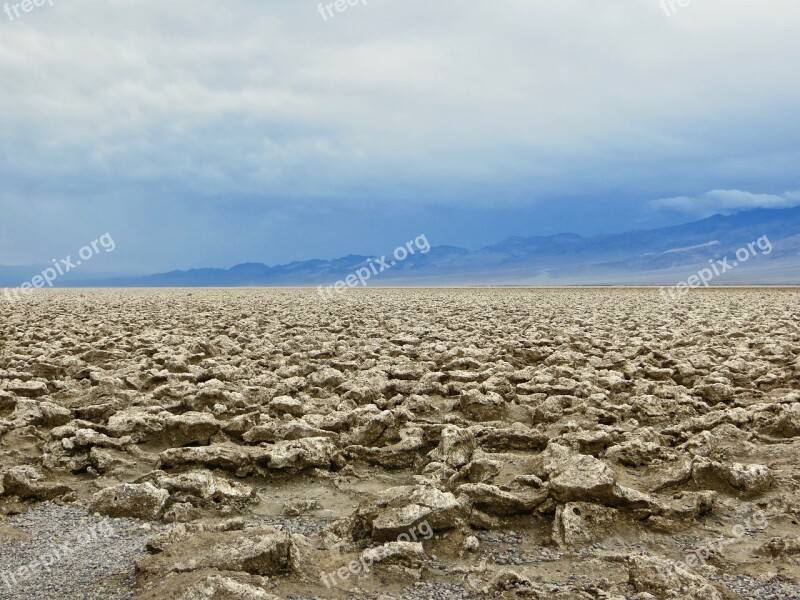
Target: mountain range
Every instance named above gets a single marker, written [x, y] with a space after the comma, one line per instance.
[663, 256]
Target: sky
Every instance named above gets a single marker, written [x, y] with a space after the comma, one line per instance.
[202, 133]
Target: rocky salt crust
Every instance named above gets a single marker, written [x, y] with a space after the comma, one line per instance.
[557, 443]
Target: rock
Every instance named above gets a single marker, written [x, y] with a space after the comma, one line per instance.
[472, 544]
[689, 505]
[96, 413]
[276, 432]
[507, 580]
[586, 479]
[207, 584]
[287, 405]
[213, 392]
[71, 447]
[181, 512]
[478, 406]
[296, 508]
[289, 386]
[297, 455]
[7, 400]
[326, 377]
[437, 474]
[240, 425]
[708, 421]
[138, 501]
[57, 458]
[517, 437]
[394, 456]
[27, 483]
[715, 393]
[184, 531]
[191, 428]
[241, 460]
[455, 447]
[667, 579]
[196, 486]
[27, 389]
[371, 428]
[109, 461]
[554, 407]
[553, 459]
[582, 523]
[780, 546]
[54, 415]
[748, 479]
[409, 554]
[84, 439]
[481, 470]
[410, 371]
[137, 423]
[786, 425]
[593, 442]
[508, 432]
[291, 456]
[492, 500]
[40, 413]
[259, 551]
[639, 451]
[751, 479]
[397, 510]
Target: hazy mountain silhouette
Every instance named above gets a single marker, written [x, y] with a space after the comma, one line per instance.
[658, 256]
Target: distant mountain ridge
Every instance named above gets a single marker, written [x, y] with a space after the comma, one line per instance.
[660, 256]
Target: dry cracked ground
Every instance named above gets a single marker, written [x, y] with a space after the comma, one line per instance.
[561, 443]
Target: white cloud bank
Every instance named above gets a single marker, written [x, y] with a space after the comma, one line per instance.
[726, 202]
[192, 123]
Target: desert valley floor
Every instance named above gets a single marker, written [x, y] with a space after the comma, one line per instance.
[400, 443]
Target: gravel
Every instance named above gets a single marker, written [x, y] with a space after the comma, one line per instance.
[90, 557]
[752, 589]
[418, 591]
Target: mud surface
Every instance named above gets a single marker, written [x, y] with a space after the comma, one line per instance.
[572, 443]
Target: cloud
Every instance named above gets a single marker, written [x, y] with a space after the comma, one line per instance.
[726, 202]
[252, 98]
[179, 116]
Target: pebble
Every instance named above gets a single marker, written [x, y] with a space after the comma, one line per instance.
[99, 566]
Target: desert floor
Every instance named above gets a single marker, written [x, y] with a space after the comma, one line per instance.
[532, 443]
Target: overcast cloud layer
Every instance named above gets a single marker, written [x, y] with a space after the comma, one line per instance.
[205, 133]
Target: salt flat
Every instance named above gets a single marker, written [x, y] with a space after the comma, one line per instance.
[403, 443]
